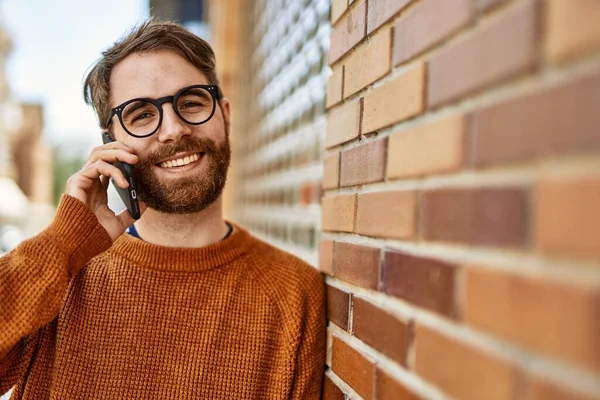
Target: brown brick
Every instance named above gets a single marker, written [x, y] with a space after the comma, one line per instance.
[331, 171]
[338, 213]
[326, 256]
[425, 282]
[335, 86]
[331, 391]
[572, 28]
[380, 11]
[348, 32]
[553, 318]
[568, 216]
[500, 50]
[364, 164]
[380, 330]
[343, 123]
[427, 24]
[488, 216]
[543, 389]
[368, 63]
[553, 121]
[461, 371]
[435, 147]
[354, 369]
[338, 7]
[338, 303]
[387, 388]
[386, 214]
[356, 264]
[395, 100]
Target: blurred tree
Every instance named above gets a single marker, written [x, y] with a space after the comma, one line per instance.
[64, 166]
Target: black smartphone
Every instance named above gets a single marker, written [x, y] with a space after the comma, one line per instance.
[129, 195]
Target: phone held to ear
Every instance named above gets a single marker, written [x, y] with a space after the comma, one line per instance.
[129, 195]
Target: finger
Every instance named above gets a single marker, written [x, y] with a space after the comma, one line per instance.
[113, 155]
[99, 168]
[125, 218]
[105, 181]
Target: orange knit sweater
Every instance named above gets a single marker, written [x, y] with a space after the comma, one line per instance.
[81, 317]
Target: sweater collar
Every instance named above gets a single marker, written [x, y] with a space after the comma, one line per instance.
[157, 257]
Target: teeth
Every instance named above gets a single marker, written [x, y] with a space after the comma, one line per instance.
[180, 161]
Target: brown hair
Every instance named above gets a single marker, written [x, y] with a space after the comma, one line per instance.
[151, 35]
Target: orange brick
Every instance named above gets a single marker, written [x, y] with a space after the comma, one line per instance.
[386, 214]
[326, 256]
[543, 389]
[354, 369]
[331, 171]
[380, 11]
[552, 318]
[335, 86]
[338, 213]
[394, 101]
[343, 123]
[387, 388]
[572, 28]
[432, 148]
[338, 7]
[363, 164]
[461, 371]
[368, 63]
[348, 32]
[501, 49]
[568, 217]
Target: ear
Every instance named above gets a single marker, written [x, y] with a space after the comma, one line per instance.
[226, 110]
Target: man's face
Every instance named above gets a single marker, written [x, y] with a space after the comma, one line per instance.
[176, 189]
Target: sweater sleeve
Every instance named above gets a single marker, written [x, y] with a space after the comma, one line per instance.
[34, 278]
[310, 359]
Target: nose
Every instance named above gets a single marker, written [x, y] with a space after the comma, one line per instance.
[172, 128]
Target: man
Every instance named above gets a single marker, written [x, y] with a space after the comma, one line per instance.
[185, 305]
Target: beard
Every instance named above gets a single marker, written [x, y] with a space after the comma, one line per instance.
[189, 194]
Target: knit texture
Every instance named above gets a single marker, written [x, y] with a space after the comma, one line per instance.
[81, 317]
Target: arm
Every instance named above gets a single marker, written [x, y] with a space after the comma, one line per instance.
[310, 359]
[34, 278]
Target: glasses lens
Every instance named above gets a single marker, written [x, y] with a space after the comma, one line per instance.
[140, 118]
[195, 105]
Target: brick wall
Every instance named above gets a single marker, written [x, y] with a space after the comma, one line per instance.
[461, 208]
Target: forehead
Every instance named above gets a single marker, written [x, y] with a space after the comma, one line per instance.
[156, 74]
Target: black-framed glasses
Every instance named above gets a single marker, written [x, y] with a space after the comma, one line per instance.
[141, 117]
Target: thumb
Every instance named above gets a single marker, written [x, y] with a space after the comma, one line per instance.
[126, 219]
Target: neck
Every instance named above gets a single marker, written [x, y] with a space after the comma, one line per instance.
[183, 230]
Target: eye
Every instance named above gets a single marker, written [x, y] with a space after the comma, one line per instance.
[191, 104]
[142, 116]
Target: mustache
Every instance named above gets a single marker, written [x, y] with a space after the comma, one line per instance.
[197, 145]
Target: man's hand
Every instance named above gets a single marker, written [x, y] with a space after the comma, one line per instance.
[90, 185]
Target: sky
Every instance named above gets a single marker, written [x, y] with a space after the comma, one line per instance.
[54, 44]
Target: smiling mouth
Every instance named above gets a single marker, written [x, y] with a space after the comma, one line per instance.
[179, 162]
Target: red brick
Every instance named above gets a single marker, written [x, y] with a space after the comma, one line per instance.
[422, 281]
[338, 213]
[353, 368]
[331, 171]
[427, 24]
[568, 216]
[572, 28]
[368, 63]
[348, 32]
[462, 371]
[502, 49]
[479, 216]
[356, 264]
[380, 11]
[559, 120]
[394, 101]
[554, 318]
[338, 304]
[343, 123]
[387, 388]
[543, 389]
[380, 330]
[364, 164]
[331, 391]
[386, 214]
[335, 87]
[326, 256]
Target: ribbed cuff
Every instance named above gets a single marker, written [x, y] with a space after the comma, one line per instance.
[77, 232]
